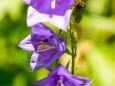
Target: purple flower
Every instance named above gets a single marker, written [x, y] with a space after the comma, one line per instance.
[45, 45]
[60, 76]
[51, 7]
[56, 12]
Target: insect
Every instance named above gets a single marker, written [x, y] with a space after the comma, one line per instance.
[79, 4]
[43, 42]
[43, 46]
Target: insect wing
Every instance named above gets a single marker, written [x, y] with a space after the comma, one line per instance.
[78, 15]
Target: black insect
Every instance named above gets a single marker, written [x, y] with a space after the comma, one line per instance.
[79, 4]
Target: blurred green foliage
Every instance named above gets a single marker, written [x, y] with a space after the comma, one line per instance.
[96, 35]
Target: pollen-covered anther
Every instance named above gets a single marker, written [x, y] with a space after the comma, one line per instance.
[43, 46]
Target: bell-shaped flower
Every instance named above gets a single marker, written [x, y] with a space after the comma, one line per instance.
[51, 7]
[45, 45]
[56, 12]
[60, 76]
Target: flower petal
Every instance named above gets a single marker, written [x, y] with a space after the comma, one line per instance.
[52, 7]
[39, 60]
[42, 82]
[60, 76]
[82, 81]
[61, 21]
[41, 29]
[61, 49]
[59, 69]
[34, 17]
[27, 1]
[26, 44]
[77, 81]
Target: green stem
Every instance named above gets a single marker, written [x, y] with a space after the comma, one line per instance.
[73, 59]
[72, 50]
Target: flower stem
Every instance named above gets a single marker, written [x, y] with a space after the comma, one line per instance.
[73, 50]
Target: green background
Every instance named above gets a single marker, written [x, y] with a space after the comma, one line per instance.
[96, 45]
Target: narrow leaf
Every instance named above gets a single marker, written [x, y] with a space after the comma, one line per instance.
[67, 65]
[68, 52]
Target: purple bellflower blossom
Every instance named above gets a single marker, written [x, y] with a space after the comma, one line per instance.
[60, 76]
[56, 12]
[34, 17]
[51, 7]
[45, 45]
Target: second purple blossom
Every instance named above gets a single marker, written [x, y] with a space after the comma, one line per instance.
[45, 45]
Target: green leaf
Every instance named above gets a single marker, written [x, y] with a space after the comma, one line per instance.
[67, 65]
[68, 52]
